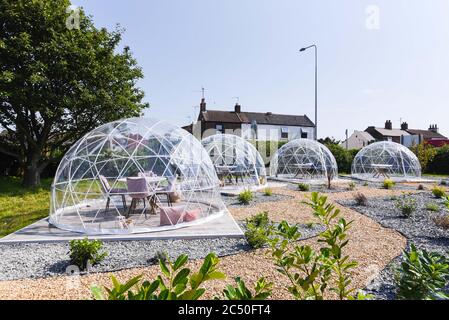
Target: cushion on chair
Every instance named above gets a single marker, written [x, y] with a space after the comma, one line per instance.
[119, 191]
[192, 215]
[172, 215]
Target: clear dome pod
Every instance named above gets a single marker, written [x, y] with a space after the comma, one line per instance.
[237, 162]
[304, 160]
[385, 159]
[134, 176]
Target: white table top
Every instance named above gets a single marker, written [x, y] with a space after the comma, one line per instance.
[382, 166]
[303, 165]
[148, 179]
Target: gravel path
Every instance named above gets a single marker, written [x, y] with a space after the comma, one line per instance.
[418, 229]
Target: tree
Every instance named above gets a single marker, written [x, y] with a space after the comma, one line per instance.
[58, 82]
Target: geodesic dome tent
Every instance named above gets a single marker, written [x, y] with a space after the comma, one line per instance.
[134, 175]
[304, 159]
[386, 159]
[235, 159]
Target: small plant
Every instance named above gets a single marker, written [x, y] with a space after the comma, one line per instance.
[388, 184]
[175, 283]
[159, 256]
[442, 221]
[245, 197]
[365, 184]
[258, 230]
[422, 275]
[421, 187]
[406, 205]
[86, 252]
[262, 290]
[394, 198]
[431, 206]
[303, 187]
[310, 225]
[438, 192]
[360, 199]
[446, 201]
[443, 183]
[267, 192]
[352, 186]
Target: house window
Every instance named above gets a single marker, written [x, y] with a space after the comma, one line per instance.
[219, 128]
[284, 133]
[304, 135]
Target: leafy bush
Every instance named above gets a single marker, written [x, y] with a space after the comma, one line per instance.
[352, 186]
[262, 290]
[388, 184]
[438, 192]
[443, 183]
[446, 201]
[360, 199]
[245, 197]
[406, 205]
[442, 221]
[303, 187]
[313, 273]
[343, 157]
[175, 283]
[258, 230]
[159, 256]
[431, 206]
[439, 164]
[85, 251]
[267, 192]
[422, 275]
[425, 154]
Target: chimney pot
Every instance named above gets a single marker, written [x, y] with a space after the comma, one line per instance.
[404, 126]
[388, 125]
[238, 108]
[203, 105]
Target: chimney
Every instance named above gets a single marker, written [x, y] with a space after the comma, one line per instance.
[238, 108]
[434, 128]
[404, 126]
[203, 105]
[388, 125]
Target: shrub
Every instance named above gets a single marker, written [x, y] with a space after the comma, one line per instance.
[343, 157]
[443, 183]
[267, 192]
[360, 199]
[439, 164]
[421, 187]
[262, 290]
[351, 186]
[303, 187]
[159, 256]
[425, 154]
[441, 221]
[258, 230]
[245, 197]
[86, 252]
[388, 184]
[365, 184]
[446, 201]
[422, 275]
[438, 192]
[406, 205]
[313, 273]
[431, 206]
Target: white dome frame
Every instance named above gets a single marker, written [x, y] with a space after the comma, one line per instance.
[82, 202]
[304, 160]
[231, 156]
[391, 159]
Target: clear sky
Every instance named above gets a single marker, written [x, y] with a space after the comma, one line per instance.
[368, 72]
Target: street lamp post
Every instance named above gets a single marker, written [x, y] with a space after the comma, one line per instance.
[316, 86]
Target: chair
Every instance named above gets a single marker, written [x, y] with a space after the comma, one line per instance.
[138, 190]
[106, 188]
[168, 190]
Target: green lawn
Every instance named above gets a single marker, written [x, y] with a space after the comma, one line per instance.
[20, 207]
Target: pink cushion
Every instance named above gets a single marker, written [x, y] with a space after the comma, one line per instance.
[192, 215]
[171, 215]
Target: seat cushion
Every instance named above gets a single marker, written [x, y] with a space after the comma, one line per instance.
[192, 215]
[121, 191]
[171, 216]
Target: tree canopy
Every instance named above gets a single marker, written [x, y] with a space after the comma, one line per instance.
[58, 81]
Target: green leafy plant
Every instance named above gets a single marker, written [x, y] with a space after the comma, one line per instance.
[406, 205]
[438, 192]
[360, 199]
[303, 187]
[388, 184]
[365, 184]
[159, 256]
[175, 283]
[258, 230]
[262, 290]
[352, 186]
[431, 206]
[312, 273]
[267, 192]
[443, 183]
[422, 275]
[245, 197]
[446, 201]
[85, 251]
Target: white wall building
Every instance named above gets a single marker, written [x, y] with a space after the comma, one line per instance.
[358, 140]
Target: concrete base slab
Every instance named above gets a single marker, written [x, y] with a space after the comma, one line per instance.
[43, 232]
[236, 190]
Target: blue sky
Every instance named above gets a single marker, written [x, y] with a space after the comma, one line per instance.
[249, 49]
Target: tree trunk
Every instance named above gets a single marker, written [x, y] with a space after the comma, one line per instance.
[32, 173]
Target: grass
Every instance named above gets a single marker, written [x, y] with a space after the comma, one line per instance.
[20, 207]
